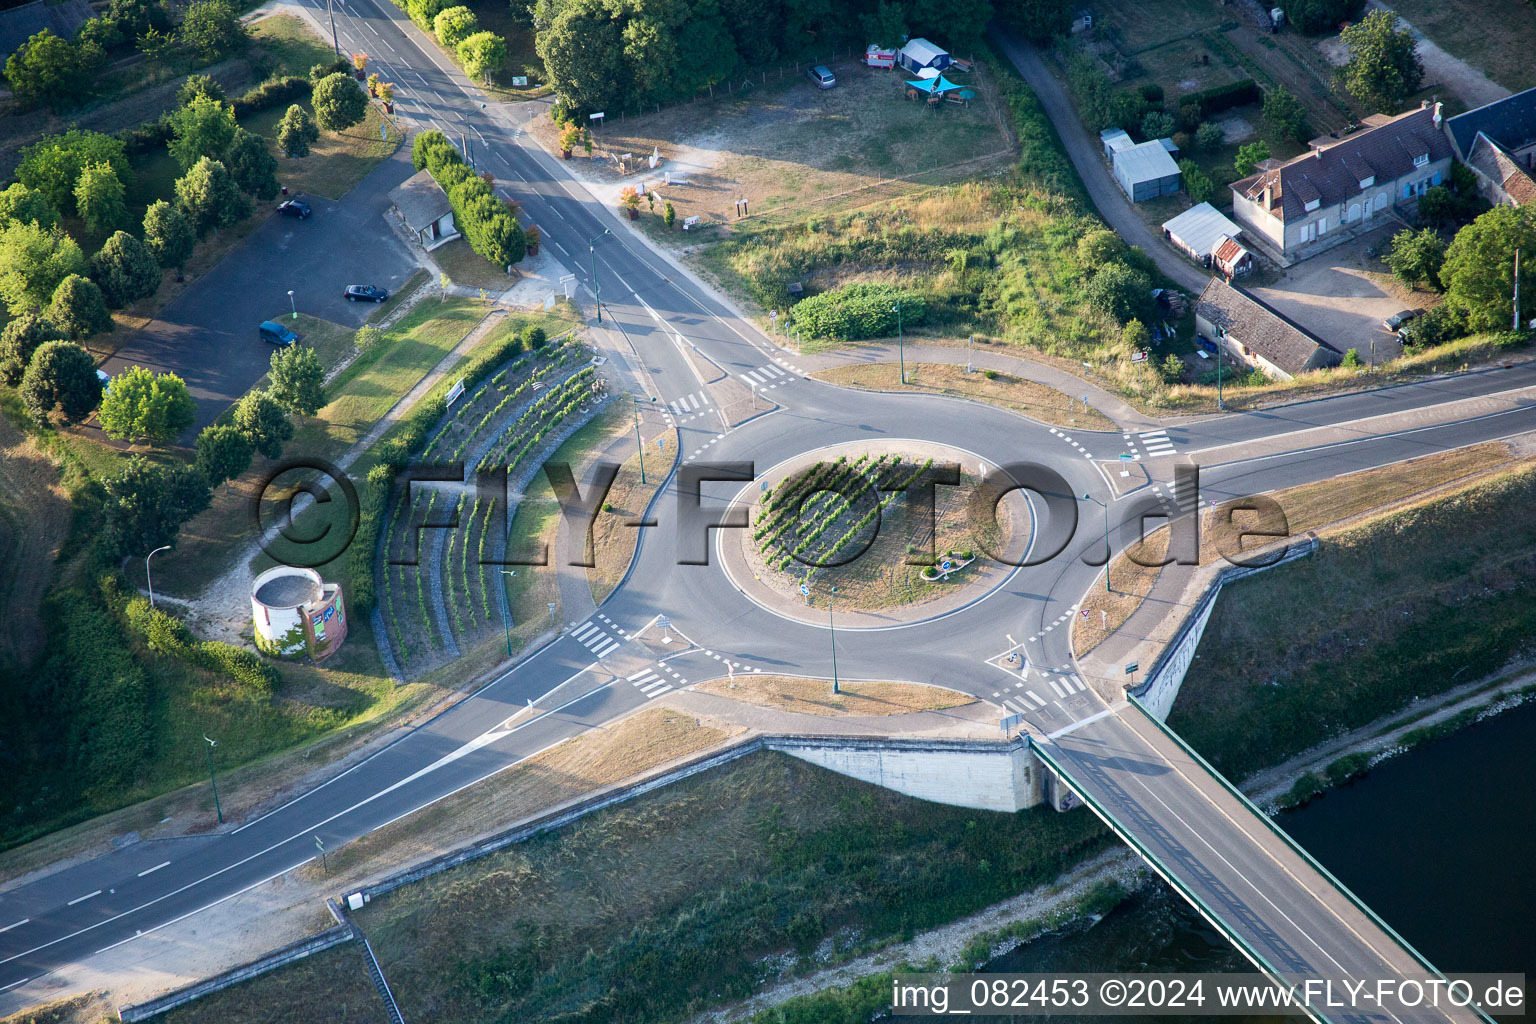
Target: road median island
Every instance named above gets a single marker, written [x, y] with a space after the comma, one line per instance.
[815, 697]
[614, 538]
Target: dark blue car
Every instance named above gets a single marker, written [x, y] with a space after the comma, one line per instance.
[274, 333]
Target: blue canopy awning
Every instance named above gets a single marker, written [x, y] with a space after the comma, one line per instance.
[931, 85]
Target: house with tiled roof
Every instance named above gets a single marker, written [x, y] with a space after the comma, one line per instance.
[1304, 205]
[1498, 142]
[1254, 335]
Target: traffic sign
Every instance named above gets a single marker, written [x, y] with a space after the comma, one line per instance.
[1126, 457]
[1131, 668]
[945, 565]
[805, 590]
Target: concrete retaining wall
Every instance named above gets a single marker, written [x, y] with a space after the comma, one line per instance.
[271, 962]
[1158, 691]
[1000, 776]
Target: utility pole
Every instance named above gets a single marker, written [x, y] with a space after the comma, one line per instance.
[1517, 290]
[1221, 332]
[1096, 501]
[597, 289]
[970, 348]
[901, 351]
[832, 627]
[639, 445]
[332, 12]
[147, 577]
[216, 805]
[506, 612]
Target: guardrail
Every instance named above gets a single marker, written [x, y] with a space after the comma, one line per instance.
[1285, 837]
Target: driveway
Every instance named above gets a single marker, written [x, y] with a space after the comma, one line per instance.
[208, 336]
[1085, 151]
[1342, 295]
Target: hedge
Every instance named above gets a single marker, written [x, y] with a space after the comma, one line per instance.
[1224, 97]
[479, 214]
[370, 521]
[857, 311]
[167, 634]
[274, 92]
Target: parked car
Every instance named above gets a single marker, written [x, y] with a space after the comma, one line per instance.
[1397, 320]
[822, 76]
[106, 381]
[295, 208]
[274, 333]
[365, 293]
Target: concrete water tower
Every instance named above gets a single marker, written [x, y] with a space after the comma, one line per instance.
[295, 611]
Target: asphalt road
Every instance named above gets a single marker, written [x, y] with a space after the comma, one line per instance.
[592, 672]
[208, 335]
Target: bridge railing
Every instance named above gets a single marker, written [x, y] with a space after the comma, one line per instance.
[1162, 869]
[1300, 850]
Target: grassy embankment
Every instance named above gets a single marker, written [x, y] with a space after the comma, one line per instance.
[1404, 606]
[689, 897]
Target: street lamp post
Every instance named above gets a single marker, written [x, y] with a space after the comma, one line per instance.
[292, 305]
[597, 289]
[1221, 332]
[215, 782]
[332, 12]
[506, 614]
[148, 578]
[832, 627]
[901, 351]
[639, 445]
[1105, 507]
[970, 349]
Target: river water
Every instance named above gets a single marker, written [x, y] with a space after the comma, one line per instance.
[1440, 842]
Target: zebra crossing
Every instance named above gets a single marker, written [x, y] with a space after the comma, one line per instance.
[595, 639]
[1156, 443]
[766, 378]
[1184, 495]
[689, 406]
[1021, 698]
[649, 683]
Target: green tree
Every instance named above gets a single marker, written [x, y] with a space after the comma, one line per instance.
[1172, 368]
[1321, 17]
[1249, 157]
[1208, 136]
[203, 128]
[223, 453]
[146, 504]
[426, 150]
[210, 196]
[125, 270]
[424, 12]
[1200, 187]
[263, 423]
[583, 54]
[22, 205]
[169, 234]
[61, 375]
[1384, 67]
[296, 380]
[20, 338]
[1479, 268]
[1039, 21]
[297, 131]
[99, 198]
[502, 242]
[213, 29]
[32, 263]
[454, 24]
[1415, 257]
[47, 69]
[78, 308]
[146, 407]
[1351, 359]
[367, 337]
[1134, 335]
[52, 165]
[885, 25]
[1156, 124]
[1099, 248]
[251, 164]
[339, 102]
[482, 53]
[199, 87]
[1119, 291]
[669, 215]
[1284, 117]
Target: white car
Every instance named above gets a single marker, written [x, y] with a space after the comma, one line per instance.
[106, 380]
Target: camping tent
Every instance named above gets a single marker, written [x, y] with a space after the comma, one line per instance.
[920, 53]
[938, 84]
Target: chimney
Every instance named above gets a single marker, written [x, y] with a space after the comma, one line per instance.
[1439, 117]
[1268, 193]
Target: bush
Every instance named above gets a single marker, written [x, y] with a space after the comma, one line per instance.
[339, 66]
[533, 338]
[148, 137]
[1156, 125]
[1208, 136]
[1152, 92]
[425, 12]
[1119, 291]
[857, 311]
[166, 634]
[1439, 325]
[1224, 97]
[374, 504]
[454, 24]
[1321, 17]
[274, 92]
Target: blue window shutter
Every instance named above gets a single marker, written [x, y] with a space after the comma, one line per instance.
[1436, 179]
[1407, 191]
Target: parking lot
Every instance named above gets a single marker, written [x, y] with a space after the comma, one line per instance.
[208, 336]
[1342, 295]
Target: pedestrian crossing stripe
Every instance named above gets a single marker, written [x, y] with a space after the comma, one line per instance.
[584, 630]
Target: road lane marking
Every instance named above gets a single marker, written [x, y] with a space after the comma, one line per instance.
[18, 924]
[157, 867]
[82, 899]
[14, 984]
